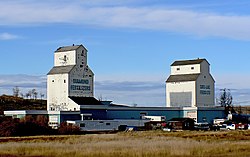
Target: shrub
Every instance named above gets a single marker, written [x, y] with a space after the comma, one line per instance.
[68, 129]
[8, 126]
[28, 126]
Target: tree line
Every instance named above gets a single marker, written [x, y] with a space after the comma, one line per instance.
[30, 94]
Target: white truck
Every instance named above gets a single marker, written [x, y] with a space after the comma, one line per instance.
[156, 118]
[231, 127]
[218, 122]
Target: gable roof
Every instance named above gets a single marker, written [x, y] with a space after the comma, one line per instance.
[61, 69]
[188, 62]
[183, 78]
[69, 48]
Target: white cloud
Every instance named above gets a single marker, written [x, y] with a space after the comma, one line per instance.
[232, 81]
[23, 82]
[118, 16]
[8, 36]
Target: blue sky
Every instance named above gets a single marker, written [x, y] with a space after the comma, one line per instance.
[131, 43]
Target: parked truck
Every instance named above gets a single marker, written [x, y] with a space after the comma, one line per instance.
[156, 122]
[233, 126]
[156, 118]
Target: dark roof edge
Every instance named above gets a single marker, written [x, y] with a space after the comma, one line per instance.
[188, 62]
[188, 78]
[50, 72]
[76, 47]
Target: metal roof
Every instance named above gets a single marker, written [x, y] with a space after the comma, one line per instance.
[61, 69]
[85, 100]
[182, 78]
[68, 48]
[188, 62]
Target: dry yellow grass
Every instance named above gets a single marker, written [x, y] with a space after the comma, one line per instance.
[135, 144]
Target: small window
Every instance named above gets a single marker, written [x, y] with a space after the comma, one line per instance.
[81, 66]
[192, 68]
[53, 80]
[178, 68]
[64, 81]
[90, 75]
[82, 125]
[101, 122]
[205, 77]
[107, 123]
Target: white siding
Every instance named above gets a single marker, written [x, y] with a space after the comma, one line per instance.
[185, 69]
[201, 90]
[183, 88]
[57, 92]
[59, 56]
[78, 82]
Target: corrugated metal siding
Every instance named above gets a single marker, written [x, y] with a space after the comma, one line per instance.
[96, 114]
[127, 114]
[181, 99]
[209, 115]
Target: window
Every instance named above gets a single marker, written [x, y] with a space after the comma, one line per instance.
[192, 68]
[205, 77]
[82, 125]
[64, 81]
[53, 80]
[81, 66]
[107, 123]
[178, 68]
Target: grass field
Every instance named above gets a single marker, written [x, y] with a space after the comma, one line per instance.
[131, 144]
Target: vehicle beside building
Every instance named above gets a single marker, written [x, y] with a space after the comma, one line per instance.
[202, 126]
[231, 126]
[218, 122]
[234, 126]
[155, 122]
[155, 118]
[181, 124]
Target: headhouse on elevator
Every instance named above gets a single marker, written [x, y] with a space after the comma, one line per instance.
[190, 84]
[70, 79]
